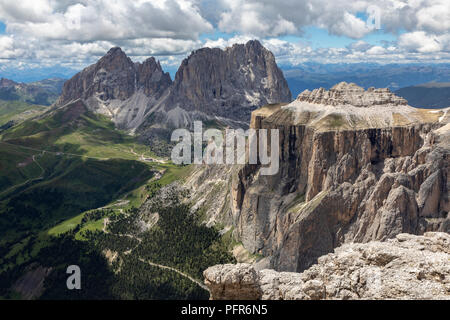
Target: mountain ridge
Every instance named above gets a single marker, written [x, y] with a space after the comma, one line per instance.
[210, 84]
[392, 76]
[44, 92]
[431, 95]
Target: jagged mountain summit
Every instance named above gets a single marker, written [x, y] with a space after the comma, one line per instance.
[119, 88]
[211, 84]
[228, 83]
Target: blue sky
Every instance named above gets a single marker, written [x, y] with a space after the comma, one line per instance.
[320, 38]
[69, 35]
[316, 37]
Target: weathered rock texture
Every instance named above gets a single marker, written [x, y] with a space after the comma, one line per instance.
[226, 84]
[351, 94]
[118, 88]
[211, 84]
[348, 173]
[31, 285]
[406, 267]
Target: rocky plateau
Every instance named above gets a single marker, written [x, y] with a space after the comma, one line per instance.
[361, 173]
[355, 166]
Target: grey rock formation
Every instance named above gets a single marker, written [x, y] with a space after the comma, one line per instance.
[351, 94]
[31, 285]
[406, 267]
[347, 174]
[211, 84]
[118, 88]
[225, 84]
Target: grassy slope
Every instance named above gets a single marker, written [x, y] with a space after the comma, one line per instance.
[12, 110]
[87, 164]
[70, 184]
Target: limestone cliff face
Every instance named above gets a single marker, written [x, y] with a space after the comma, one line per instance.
[348, 173]
[228, 83]
[406, 267]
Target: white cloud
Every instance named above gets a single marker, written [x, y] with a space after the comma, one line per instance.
[360, 45]
[77, 32]
[426, 22]
[6, 47]
[273, 18]
[434, 17]
[223, 43]
[376, 50]
[340, 17]
[254, 19]
[420, 41]
[350, 26]
[106, 20]
[288, 53]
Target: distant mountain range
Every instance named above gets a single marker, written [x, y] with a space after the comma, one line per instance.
[44, 92]
[393, 76]
[426, 86]
[427, 95]
[21, 101]
[28, 75]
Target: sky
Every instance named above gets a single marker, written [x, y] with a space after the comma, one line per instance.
[71, 34]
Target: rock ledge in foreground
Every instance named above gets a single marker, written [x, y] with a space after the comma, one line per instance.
[407, 267]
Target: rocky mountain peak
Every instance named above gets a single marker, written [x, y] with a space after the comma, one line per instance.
[151, 78]
[228, 83]
[210, 84]
[115, 59]
[6, 83]
[345, 93]
[108, 86]
[115, 51]
[351, 170]
[253, 46]
[348, 106]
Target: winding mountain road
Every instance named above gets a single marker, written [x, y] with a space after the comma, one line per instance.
[56, 153]
[177, 271]
[153, 264]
